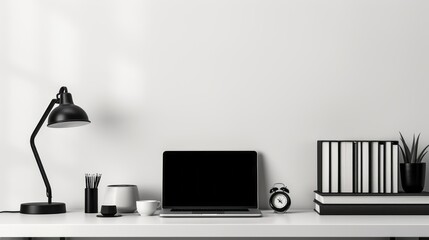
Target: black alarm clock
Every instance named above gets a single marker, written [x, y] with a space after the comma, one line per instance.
[279, 200]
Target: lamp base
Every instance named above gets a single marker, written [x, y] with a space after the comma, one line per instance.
[43, 208]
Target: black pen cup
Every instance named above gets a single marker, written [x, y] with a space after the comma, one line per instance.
[91, 200]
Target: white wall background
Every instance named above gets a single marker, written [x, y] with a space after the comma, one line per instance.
[266, 75]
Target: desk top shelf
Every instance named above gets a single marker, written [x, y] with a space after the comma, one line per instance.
[291, 224]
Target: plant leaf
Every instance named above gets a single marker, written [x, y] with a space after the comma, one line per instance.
[413, 153]
[416, 147]
[403, 154]
[421, 154]
[407, 150]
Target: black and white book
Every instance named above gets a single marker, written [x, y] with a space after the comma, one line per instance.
[346, 167]
[371, 209]
[335, 164]
[365, 167]
[388, 167]
[372, 198]
[395, 168]
[323, 166]
[359, 169]
[374, 167]
[381, 168]
[355, 162]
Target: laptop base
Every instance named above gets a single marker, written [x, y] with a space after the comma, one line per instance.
[197, 213]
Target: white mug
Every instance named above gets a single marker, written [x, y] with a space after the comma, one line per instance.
[124, 196]
[147, 207]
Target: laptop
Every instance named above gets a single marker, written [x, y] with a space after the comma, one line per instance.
[210, 184]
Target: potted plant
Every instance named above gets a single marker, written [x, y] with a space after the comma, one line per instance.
[413, 170]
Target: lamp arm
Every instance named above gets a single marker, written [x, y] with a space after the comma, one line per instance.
[36, 154]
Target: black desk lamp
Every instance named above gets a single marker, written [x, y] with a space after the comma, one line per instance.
[65, 115]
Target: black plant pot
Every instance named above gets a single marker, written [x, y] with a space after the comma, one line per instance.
[413, 177]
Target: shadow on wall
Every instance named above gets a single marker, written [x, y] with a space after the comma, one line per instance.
[263, 195]
[148, 194]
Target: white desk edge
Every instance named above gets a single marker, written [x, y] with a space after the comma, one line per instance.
[292, 224]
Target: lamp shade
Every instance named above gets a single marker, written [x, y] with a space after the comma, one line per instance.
[67, 114]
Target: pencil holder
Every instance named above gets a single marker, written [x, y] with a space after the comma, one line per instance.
[91, 200]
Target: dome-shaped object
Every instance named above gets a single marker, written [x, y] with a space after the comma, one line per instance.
[67, 114]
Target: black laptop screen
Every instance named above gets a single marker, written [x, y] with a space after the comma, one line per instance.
[209, 179]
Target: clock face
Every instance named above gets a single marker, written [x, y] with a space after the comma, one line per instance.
[279, 200]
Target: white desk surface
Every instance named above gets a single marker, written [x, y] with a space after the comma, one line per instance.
[291, 224]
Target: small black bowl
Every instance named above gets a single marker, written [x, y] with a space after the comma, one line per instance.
[108, 210]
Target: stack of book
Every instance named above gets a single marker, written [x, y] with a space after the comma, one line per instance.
[371, 203]
[361, 177]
